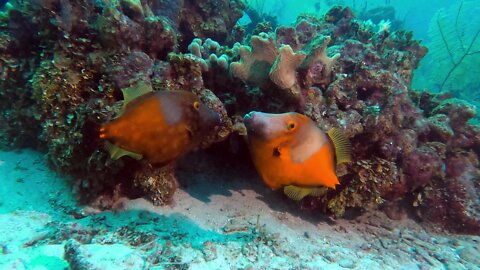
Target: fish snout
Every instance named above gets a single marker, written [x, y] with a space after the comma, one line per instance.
[254, 123]
[210, 118]
[248, 119]
[264, 126]
[217, 119]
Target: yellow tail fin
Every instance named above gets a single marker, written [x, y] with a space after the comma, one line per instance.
[343, 148]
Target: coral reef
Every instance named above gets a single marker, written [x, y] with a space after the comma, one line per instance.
[209, 18]
[64, 63]
[452, 198]
[398, 148]
[66, 79]
[160, 183]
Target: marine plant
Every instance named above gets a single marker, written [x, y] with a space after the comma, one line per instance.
[452, 63]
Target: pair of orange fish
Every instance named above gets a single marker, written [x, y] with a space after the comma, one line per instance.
[288, 150]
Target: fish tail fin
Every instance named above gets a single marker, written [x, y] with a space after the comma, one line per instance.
[117, 152]
[102, 133]
[343, 148]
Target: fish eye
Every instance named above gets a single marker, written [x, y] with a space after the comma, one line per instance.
[291, 126]
[196, 105]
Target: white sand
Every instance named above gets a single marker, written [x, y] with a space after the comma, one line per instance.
[219, 220]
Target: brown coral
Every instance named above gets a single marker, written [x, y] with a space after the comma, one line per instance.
[284, 71]
[159, 184]
[318, 64]
[293, 73]
[256, 61]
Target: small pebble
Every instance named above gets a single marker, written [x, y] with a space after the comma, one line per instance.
[455, 266]
[409, 266]
[469, 254]
[347, 263]
[209, 251]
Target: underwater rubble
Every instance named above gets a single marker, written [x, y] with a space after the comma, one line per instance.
[65, 63]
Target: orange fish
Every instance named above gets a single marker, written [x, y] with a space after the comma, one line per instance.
[290, 151]
[158, 126]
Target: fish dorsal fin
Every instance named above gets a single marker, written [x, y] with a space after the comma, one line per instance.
[135, 91]
[309, 141]
[117, 152]
[297, 193]
[343, 148]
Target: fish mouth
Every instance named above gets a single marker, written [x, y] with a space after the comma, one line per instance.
[253, 125]
[210, 119]
[248, 120]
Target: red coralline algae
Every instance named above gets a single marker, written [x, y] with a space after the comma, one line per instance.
[453, 200]
[421, 167]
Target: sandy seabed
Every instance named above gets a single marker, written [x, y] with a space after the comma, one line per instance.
[215, 222]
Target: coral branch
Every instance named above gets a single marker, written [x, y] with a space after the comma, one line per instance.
[456, 64]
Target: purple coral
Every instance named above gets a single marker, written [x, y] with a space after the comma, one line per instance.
[315, 71]
[453, 201]
[421, 167]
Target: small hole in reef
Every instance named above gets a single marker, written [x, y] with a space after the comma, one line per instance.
[363, 93]
[117, 94]
[90, 136]
[341, 106]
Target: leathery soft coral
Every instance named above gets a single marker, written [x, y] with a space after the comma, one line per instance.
[267, 63]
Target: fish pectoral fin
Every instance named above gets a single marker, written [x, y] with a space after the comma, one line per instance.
[135, 91]
[117, 152]
[296, 193]
[343, 148]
